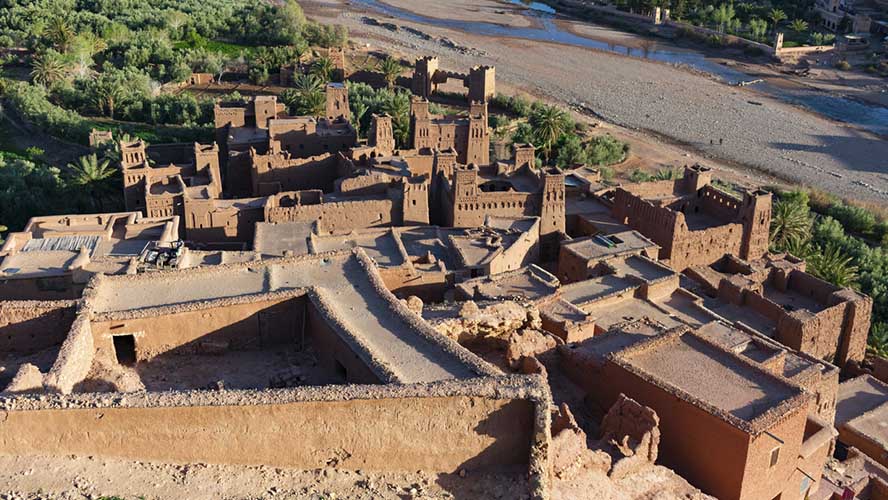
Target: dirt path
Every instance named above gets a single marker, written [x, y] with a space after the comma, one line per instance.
[664, 105]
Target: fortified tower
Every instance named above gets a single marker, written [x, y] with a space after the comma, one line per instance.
[696, 177]
[422, 123]
[382, 137]
[755, 214]
[525, 156]
[552, 206]
[465, 196]
[337, 103]
[265, 108]
[478, 147]
[423, 76]
[482, 83]
[416, 201]
[206, 162]
[133, 157]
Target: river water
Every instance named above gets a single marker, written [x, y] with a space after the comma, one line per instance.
[837, 107]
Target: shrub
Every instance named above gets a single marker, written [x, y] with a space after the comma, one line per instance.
[843, 65]
[854, 218]
[606, 150]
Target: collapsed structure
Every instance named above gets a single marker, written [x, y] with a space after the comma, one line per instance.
[293, 273]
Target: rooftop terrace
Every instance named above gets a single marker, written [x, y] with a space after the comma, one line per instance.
[346, 287]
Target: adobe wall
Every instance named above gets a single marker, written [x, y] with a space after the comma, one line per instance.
[340, 215]
[811, 286]
[332, 349]
[434, 434]
[707, 451]
[471, 211]
[764, 481]
[316, 172]
[718, 204]
[867, 445]
[815, 334]
[704, 247]
[522, 252]
[659, 224]
[404, 282]
[30, 326]
[227, 324]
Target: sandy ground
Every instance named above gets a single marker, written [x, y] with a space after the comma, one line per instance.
[71, 478]
[667, 105]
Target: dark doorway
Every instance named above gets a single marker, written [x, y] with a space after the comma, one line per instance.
[125, 349]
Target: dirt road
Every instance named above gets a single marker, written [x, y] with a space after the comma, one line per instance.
[724, 123]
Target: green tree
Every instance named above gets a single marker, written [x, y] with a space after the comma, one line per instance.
[306, 97]
[391, 69]
[723, 15]
[548, 123]
[95, 176]
[570, 151]
[758, 28]
[49, 68]
[798, 25]
[323, 69]
[605, 150]
[832, 265]
[59, 33]
[790, 220]
[877, 343]
[776, 15]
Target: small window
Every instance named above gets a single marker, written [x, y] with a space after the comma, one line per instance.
[775, 456]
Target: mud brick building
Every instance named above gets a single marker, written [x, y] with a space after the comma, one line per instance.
[693, 222]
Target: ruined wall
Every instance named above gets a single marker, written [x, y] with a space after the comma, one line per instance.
[315, 172]
[433, 434]
[74, 360]
[191, 329]
[340, 215]
[718, 204]
[30, 326]
[524, 251]
[705, 246]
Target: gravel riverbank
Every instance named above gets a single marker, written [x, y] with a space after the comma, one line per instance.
[737, 125]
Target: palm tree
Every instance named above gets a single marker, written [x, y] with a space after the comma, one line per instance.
[548, 123]
[48, 68]
[776, 15]
[358, 110]
[94, 175]
[306, 97]
[59, 33]
[323, 69]
[830, 264]
[398, 106]
[800, 248]
[391, 70]
[108, 93]
[790, 220]
[798, 25]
